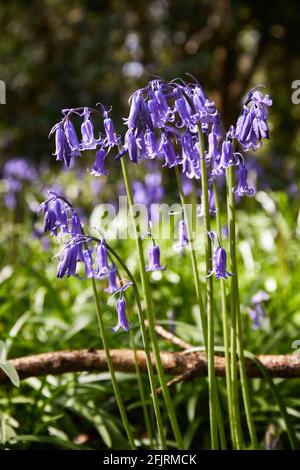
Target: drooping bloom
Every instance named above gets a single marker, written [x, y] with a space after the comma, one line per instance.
[87, 132]
[219, 263]
[102, 260]
[68, 261]
[154, 259]
[228, 157]
[109, 130]
[219, 259]
[182, 234]
[56, 214]
[63, 150]
[131, 145]
[71, 137]
[98, 167]
[88, 262]
[112, 280]
[122, 319]
[169, 153]
[242, 187]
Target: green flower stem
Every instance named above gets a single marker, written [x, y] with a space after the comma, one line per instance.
[141, 391]
[146, 345]
[197, 284]
[236, 323]
[150, 315]
[226, 336]
[210, 305]
[111, 368]
[193, 257]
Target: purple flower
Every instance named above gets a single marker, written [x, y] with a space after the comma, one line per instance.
[252, 125]
[256, 311]
[68, 261]
[257, 314]
[109, 130]
[98, 167]
[242, 187]
[88, 262]
[112, 279]
[182, 234]
[135, 108]
[122, 319]
[131, 145]
[56, 215]
[219, 259]
[87, 132]
[259, 297]
[169, 153]
[102, 260]
[63, 150]
[219, 263]
[228, 157]
[71, 137]
[154, 259]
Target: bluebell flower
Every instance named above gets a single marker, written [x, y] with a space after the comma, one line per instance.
[169, 152]
[182, 234]
[98, 166]
[154, 259]
[122, 319]
[68, 261]
[242, 187]
[112, 279]
[131, 145]
[88, 262]
[109, 130]
[102, 260]
[135, 109]
[228, 156]
[63, 151]
[87, 132]
[56, 214]
[219, 259]
[71, 137]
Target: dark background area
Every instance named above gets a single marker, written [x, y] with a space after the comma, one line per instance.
[56, 54]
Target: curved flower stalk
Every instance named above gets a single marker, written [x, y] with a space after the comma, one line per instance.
[94, 254]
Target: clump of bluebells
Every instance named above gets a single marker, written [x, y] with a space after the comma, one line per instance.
[81, 250]
[176, 125]
[163, 124]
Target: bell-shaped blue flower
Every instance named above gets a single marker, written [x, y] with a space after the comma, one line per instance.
[98, 166]
[154, 259]
[102, 260]
[122, 319]
[112, 280]
[242, 187]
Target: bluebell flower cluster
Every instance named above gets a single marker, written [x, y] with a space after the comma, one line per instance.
[164, 122]
[81, 251]
[68, 146]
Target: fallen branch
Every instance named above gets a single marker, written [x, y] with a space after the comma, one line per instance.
[175, 363]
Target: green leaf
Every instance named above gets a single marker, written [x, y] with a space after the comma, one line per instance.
[11, 373]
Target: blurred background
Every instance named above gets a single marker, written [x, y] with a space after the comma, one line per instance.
[62, 54]
[57, 54]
